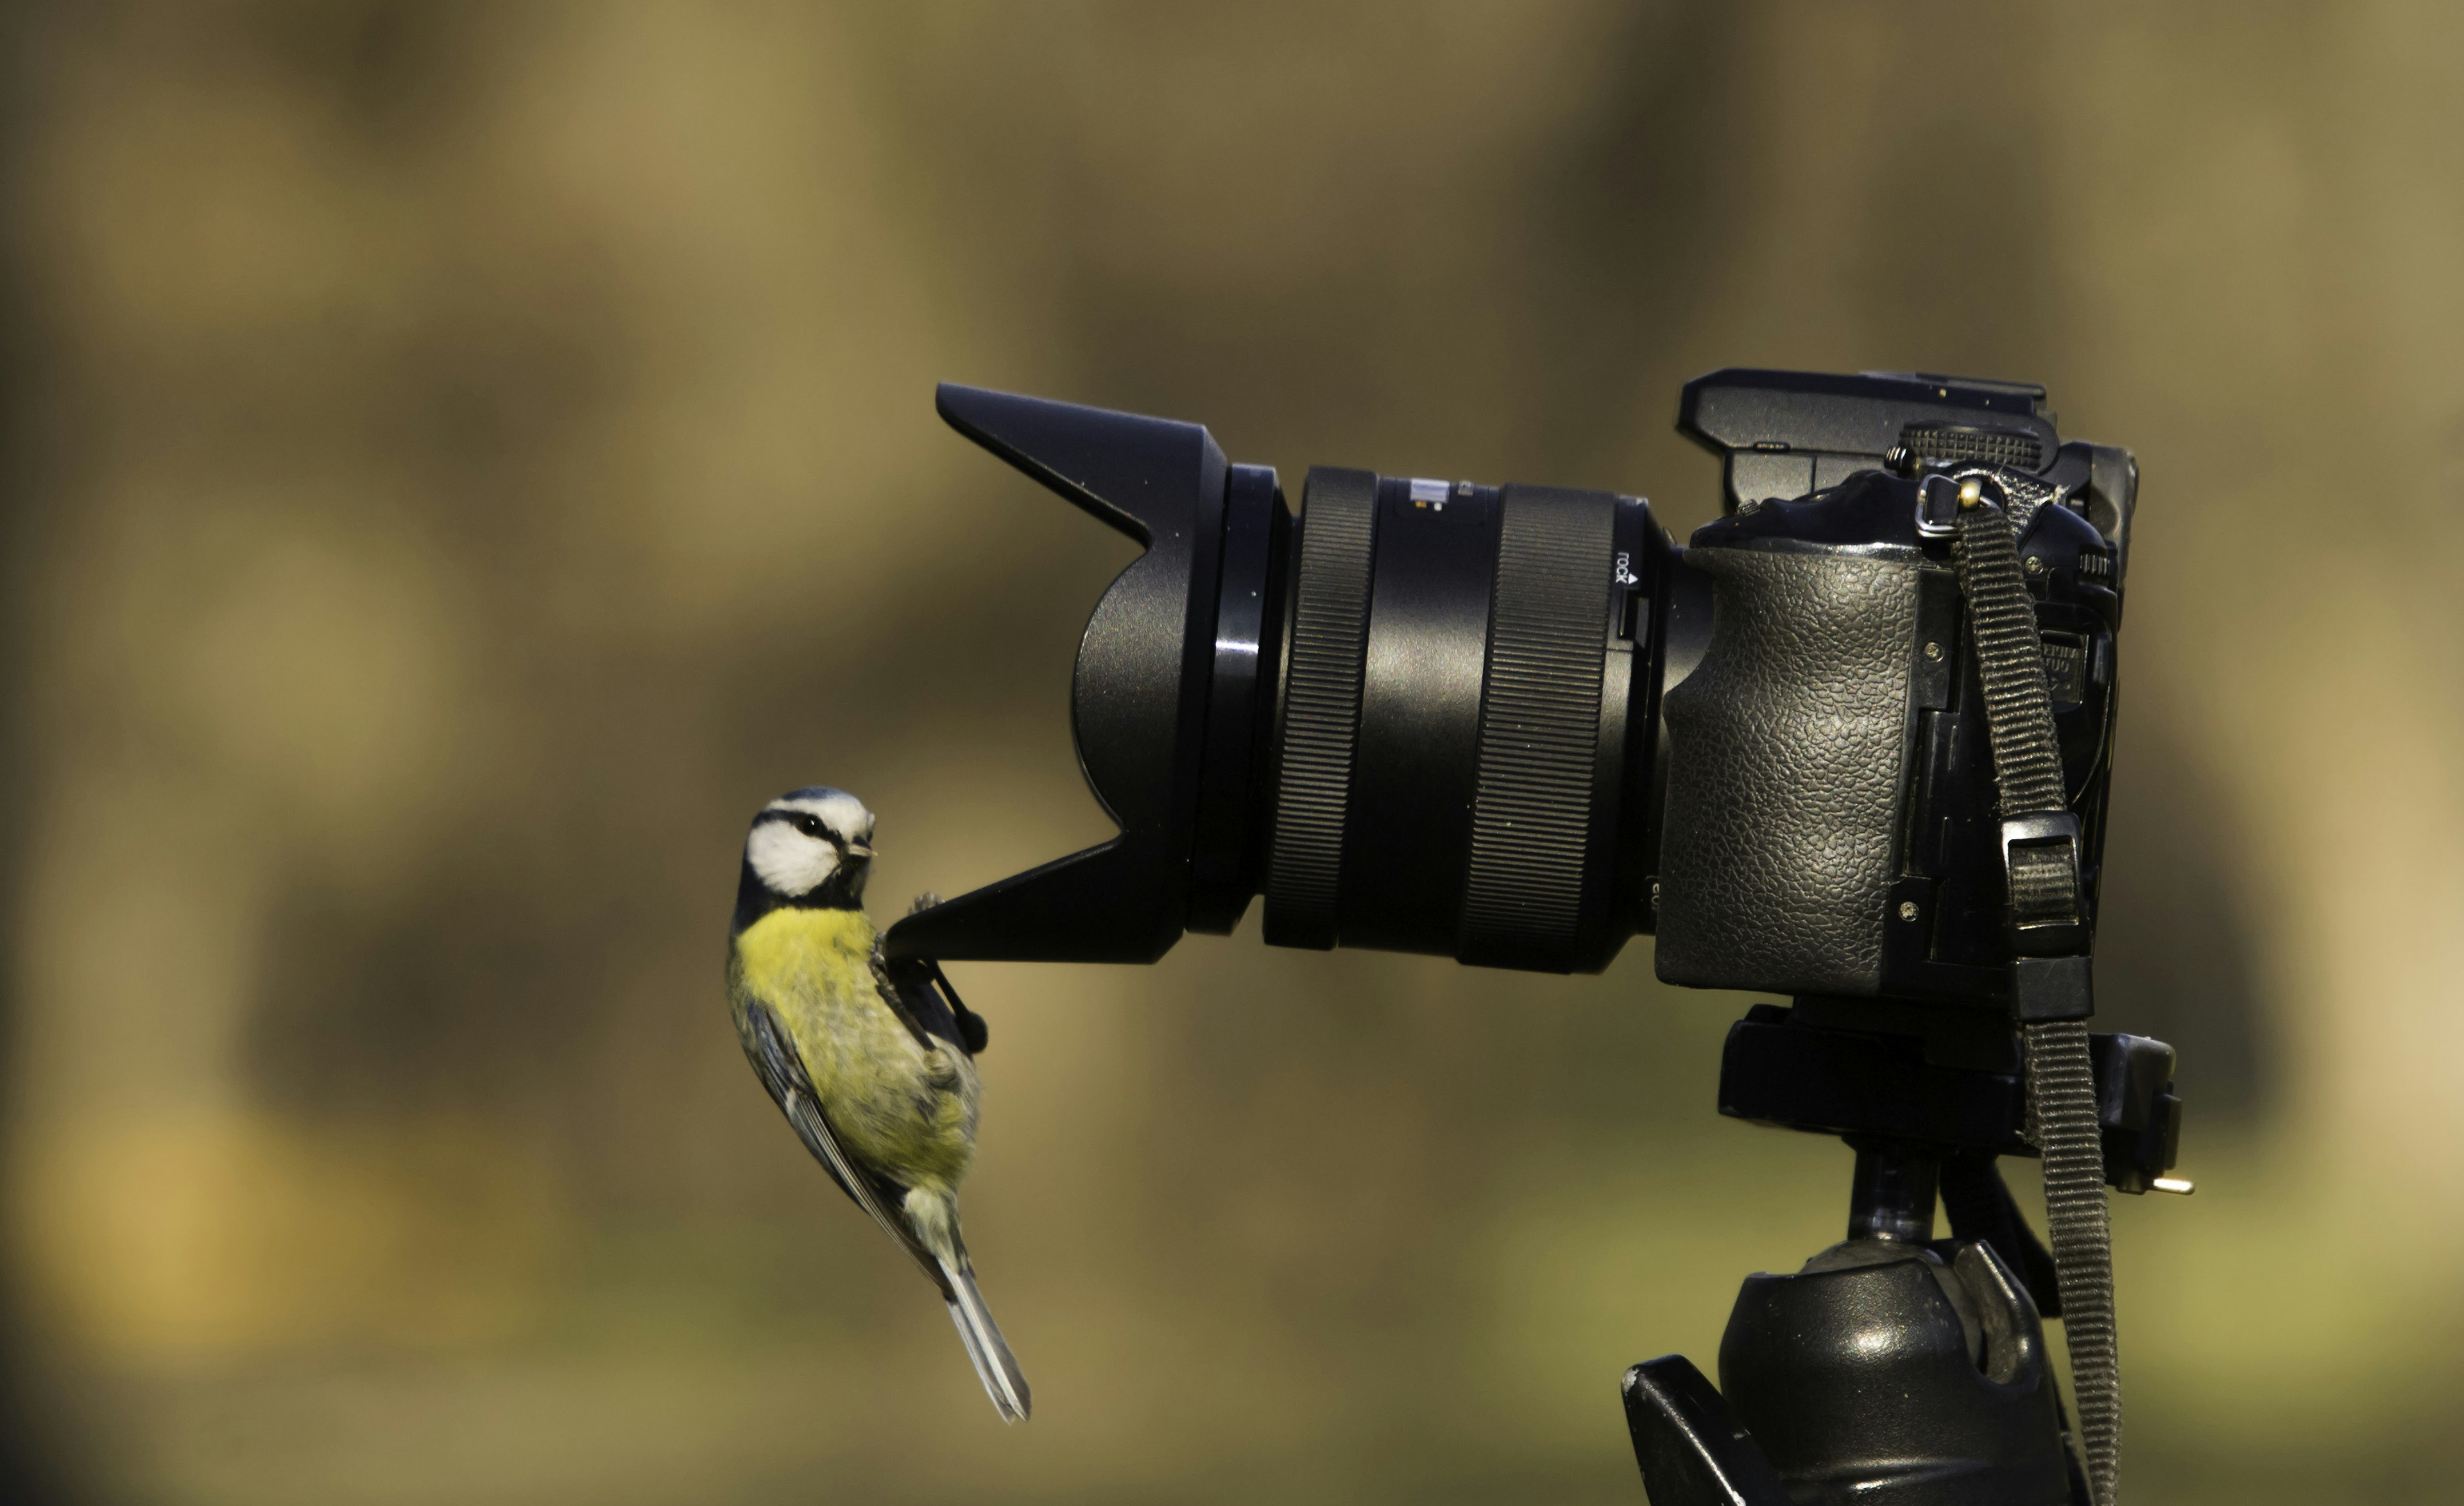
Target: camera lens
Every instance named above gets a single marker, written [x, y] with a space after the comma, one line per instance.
[1421, 717]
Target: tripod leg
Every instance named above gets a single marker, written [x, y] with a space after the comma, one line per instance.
[1689, 1444]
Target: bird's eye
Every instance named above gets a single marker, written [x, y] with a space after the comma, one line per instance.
[810, 826]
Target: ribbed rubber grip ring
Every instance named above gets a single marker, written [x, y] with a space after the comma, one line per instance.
[1539, 728]
[1330, 632]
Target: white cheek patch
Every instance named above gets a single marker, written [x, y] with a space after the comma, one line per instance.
[787, 861]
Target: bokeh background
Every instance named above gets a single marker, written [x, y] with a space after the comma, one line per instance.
[460, 460]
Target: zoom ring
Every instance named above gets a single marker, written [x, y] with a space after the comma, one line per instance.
[1329, 633]
[1539, 728]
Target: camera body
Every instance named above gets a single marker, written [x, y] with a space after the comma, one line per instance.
[1833, 827]
[1517, 724]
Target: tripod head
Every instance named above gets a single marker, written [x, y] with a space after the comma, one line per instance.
[1907, 1368]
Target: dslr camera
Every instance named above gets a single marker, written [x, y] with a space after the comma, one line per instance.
[1517, 724]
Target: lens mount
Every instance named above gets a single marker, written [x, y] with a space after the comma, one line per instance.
[1420, 717]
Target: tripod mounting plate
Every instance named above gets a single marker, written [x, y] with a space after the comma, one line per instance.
[1939, 1078]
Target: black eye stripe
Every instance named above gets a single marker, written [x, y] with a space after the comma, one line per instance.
[805, 822]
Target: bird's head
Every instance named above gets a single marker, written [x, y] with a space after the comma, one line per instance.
[811, 847]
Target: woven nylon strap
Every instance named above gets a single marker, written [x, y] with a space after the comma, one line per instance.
[2045, 883]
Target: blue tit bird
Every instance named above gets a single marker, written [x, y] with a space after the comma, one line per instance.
[871, 1061]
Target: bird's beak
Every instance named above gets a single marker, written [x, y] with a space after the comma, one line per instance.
[860, 849]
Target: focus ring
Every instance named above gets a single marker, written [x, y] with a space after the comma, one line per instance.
[1329, 629]
[1539, 728]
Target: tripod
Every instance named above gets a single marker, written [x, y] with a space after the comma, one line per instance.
[1895, 1369]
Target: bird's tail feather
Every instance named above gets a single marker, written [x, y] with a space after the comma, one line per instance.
[995, 1365]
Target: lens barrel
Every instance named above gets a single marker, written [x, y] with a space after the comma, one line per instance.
[1425, 718]
[1453, 761]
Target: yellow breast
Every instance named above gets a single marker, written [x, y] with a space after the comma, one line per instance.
[895, 1104]
[794, 948]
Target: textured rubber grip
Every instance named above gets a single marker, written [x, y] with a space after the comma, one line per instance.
[1330, 632]
[1539, 728]
[1787, 773]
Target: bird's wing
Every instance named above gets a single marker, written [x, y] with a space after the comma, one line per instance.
[783, 1072]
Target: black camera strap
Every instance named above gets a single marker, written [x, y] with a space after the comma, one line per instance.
[2050, 985]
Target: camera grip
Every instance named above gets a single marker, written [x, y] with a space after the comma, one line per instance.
[1789, 749]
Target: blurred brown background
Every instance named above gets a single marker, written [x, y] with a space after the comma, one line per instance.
[461, 459]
